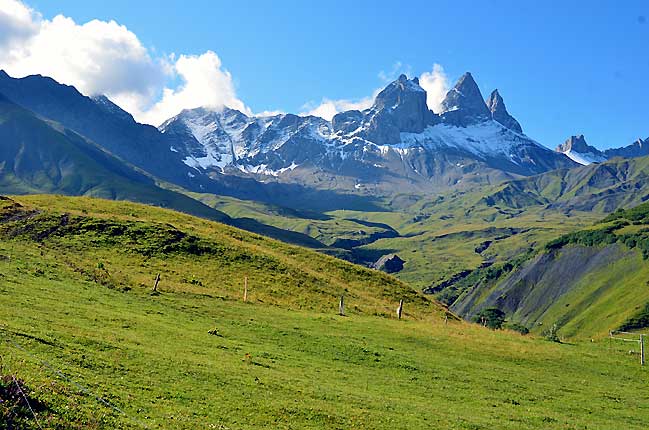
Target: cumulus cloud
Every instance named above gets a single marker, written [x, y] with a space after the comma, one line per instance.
[436, 85]
[328, 108]
[204, 83]
[104, 57]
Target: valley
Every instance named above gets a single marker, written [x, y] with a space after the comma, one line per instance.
[408, 260]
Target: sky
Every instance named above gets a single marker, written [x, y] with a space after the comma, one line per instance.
[563, 67]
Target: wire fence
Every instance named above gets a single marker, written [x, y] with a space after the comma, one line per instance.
[59, 374]
[626, 336]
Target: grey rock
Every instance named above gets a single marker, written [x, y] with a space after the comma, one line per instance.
[577, 144]
[639, 148]
[464, 104]
[499, 113]
[400, 107]
[390, 263]
[348, 121]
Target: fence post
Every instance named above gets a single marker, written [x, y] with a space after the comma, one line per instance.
[341, 306]
[157, 279]
[642, 349]
[245, 288]
[400, 309]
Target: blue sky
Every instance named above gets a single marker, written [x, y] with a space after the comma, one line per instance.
[563, 68]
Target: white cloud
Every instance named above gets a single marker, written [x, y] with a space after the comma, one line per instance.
[328, 108]
[205, 83]
[268, 113]
[436, 85]
[104, 57]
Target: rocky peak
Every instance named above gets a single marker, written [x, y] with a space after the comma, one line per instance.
[400, 107]
[463, 104]
[496, 106]
[577, 144]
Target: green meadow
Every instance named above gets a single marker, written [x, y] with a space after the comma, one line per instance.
[80, 322]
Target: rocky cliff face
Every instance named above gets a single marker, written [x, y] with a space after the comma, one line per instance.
[496, 106]
[397, 141]
[396, 145]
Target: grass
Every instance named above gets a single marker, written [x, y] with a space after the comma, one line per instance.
[610, 293]
[438, 236]
[198, 357]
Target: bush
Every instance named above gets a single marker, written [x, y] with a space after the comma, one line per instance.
[517, 327]
[491, 317]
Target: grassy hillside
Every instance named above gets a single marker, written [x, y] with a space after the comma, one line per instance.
[446, 236]
[75, 298]
[195, 256]
[586, 282]
[37, 156]
[438, 238]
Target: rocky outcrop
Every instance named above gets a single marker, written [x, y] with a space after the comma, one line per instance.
[400, 107]
[639, 148]
[390, 263]
[496, 106]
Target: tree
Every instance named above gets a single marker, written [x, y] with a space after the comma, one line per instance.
[491, 317]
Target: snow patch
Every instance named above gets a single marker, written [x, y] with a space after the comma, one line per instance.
[584, 158]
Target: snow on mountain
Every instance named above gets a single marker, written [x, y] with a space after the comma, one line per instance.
[584, 158]
[580, 152]
[355, 142]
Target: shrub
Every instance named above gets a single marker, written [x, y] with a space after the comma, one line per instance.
[491, 317]
[517, 327]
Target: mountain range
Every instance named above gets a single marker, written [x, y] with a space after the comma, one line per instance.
[443, 195]
[581, 152]
[307, 162]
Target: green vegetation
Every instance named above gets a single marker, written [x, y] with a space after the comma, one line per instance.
[493, 318]
[583, 283]
[76, 297]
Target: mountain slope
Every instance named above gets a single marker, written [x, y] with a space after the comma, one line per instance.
[601, 187]
[41, 157]
[99, 120]
[587, 282]
[396, 143]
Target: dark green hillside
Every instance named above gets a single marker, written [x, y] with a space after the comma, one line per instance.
[586, 282]
[41, 157]
[602, 188]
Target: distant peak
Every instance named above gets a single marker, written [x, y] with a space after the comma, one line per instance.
[496, 106]
[464, 104]
[576, 143]
[402, 78]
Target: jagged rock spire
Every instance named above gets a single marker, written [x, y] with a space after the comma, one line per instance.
[463, 104]
[499, 113]
[399, 107]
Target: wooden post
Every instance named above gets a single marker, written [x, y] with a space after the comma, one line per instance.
[245, 288]
[400, 309]
[157, 279]
[341, 306]
[642, 349]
